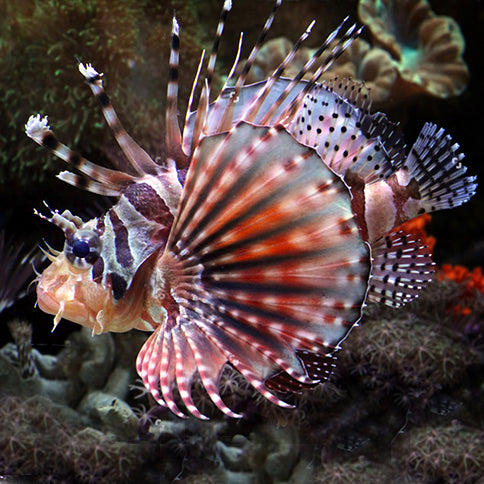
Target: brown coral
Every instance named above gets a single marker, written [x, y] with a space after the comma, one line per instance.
[427, 48]
[373, 66]
[271, 54]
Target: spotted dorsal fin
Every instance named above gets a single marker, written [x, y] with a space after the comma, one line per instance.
[348, 137]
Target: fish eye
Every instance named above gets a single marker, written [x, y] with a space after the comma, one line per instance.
[80, 248]
[83, 248]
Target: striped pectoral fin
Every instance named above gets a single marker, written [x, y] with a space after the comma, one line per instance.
[167, 360]
[401, 267]
[267, 258]
[438, 170]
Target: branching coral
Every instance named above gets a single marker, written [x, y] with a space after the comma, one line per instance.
[46, 441]
[427, 48]
[451, 453]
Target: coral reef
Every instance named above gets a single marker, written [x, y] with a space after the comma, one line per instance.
[406, 394]
[414, 51]
[47, 442]
[450, 453]
[427, 48]
[374, 66]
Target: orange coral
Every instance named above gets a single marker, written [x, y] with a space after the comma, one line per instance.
[471, 280]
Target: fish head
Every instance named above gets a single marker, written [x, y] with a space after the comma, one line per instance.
[75, 287]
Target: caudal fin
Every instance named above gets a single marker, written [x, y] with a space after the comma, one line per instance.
[437, 167]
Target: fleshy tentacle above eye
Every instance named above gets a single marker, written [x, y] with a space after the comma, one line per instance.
[264, 260]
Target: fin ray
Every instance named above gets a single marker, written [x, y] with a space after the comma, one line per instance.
[401, 267]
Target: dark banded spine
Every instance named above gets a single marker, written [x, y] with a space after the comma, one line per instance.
[251, 113]
[101, 180]
[220, 28]
[343, 43]
[137, 156]
[173, 136]
[228, 114]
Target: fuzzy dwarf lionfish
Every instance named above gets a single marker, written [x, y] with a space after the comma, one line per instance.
[259, 238]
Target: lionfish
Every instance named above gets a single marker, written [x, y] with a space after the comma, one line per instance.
[258, 239]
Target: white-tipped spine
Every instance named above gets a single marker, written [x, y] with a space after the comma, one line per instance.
[36, 126]
[175, 29]
[88, 71]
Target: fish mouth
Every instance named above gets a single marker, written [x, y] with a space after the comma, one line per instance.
[72, 310]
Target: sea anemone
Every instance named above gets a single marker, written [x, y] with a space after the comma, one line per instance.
[427, 48]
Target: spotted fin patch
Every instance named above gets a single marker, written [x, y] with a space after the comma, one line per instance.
[269, 262]
[345, 135]
[401, 267]
[320, 366]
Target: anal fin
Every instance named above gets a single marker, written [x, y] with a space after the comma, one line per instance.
[401, 266]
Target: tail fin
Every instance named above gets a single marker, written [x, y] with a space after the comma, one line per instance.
[437, 167]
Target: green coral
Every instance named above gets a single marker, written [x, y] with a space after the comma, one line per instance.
[342, 473]
[415, 354]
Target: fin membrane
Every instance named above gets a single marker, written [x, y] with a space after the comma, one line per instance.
[434, 162]
[335, 120]
[267, 263]
[401, 267]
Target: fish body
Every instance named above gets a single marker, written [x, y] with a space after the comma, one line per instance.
[263, 255]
